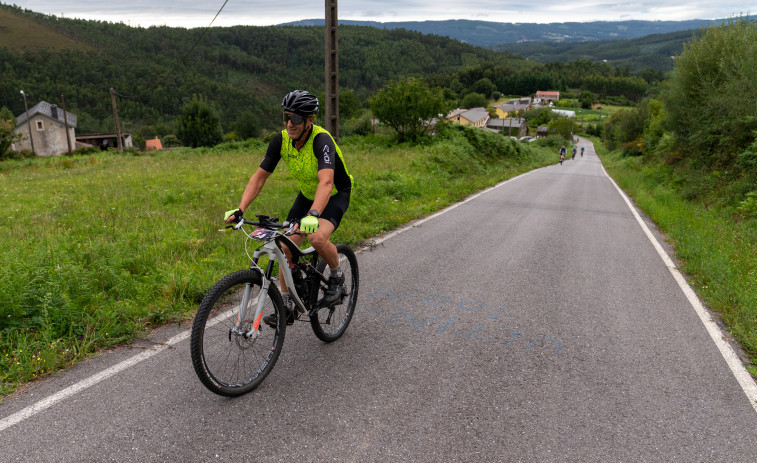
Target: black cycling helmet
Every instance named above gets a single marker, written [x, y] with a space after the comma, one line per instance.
[300, 102]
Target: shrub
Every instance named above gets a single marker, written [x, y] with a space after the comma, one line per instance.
[713, 92]
[198, 125]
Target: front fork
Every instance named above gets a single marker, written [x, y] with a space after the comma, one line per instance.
[254, 331]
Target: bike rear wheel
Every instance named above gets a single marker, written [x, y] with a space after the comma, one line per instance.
[329, 323]
[227, 361]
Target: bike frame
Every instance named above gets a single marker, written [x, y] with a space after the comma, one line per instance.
[272, 249]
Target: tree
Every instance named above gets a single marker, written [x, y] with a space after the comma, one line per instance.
[539, 116]
[349, 104]
[7, 136]
[475, 100]
[408, 106]
[587, 99]
[712, 95]
[198, 125]
[485, 87]
[563, 126]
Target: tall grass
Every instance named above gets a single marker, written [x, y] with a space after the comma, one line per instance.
[96, 250]
[718, 252]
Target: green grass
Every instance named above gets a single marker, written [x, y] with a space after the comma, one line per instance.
[96, 250]
[717, 251]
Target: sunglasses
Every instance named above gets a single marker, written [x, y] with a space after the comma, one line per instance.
[295, 118]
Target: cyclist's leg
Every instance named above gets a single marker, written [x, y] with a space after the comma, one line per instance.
[321, 240]
[330, 218]
[299, 209]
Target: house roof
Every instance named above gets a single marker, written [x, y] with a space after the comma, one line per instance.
[475, 114]
[507, 107]
[153, 144]
[544, 93]
[46, 109]
[516, 122]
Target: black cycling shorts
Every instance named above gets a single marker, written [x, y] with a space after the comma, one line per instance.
[333, 212]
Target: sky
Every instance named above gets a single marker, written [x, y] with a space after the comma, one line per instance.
[200, 13]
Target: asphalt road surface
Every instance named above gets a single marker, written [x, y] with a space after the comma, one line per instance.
[533, 322]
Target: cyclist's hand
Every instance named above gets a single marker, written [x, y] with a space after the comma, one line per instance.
[233, 216]
[309, 224]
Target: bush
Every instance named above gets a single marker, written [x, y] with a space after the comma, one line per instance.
[563, 127]
[198, 125]
[359, 125]
[713, 93]
[552, 141]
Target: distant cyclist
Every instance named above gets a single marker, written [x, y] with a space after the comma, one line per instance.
[582, 151]
[574, 152]
[562, 154]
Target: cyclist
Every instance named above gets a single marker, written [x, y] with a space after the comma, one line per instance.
[562, 154]
[317, 163]
[582, 151]
[574, 152]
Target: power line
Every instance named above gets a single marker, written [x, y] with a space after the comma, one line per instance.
[205, 31]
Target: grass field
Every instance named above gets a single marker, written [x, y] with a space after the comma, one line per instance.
[95, 250]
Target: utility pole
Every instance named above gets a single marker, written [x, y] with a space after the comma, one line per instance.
[332, 71]
[115, 119]
[28, 122]
[65, 122]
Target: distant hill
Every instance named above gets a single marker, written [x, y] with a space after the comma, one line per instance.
[491, 34]
[242, 71]
[653, 51]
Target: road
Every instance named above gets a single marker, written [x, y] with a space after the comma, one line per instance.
[535, 321]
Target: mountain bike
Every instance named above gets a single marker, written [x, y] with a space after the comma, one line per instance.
[232, 351]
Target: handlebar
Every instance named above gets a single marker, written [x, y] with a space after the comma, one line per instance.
[263, 221]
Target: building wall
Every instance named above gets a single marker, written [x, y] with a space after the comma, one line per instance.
[49, 136]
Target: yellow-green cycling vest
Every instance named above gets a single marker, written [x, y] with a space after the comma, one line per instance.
[304, 165]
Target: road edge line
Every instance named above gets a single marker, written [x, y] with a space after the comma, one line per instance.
[90, 381]
[744, 378]
[75, 388]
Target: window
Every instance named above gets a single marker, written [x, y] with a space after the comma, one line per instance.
[40, 125]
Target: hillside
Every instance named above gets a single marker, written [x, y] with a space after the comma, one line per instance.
[242, 70]
[491, 34]
[22, 33]
[653, 51]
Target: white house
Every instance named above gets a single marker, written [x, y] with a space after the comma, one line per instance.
[49, 130]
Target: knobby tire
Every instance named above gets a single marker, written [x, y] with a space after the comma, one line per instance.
[225, 362]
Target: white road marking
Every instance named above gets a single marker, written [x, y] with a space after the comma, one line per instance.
[745, 379]
[742, 375]
[443, 211]
[48, 402]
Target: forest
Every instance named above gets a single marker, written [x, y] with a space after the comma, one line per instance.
[242, 71]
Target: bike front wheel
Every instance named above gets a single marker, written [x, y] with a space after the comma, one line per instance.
[329, 323]
[228, 358]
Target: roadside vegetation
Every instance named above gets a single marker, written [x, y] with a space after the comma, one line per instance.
[97, 249]
[688, 157]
